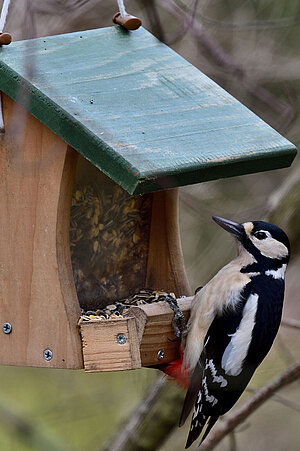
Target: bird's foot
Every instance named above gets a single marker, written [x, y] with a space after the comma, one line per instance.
[178, 322]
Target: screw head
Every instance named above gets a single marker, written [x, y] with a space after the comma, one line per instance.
[121, 339]
[7, 328]
[47, 354]
[160, 354]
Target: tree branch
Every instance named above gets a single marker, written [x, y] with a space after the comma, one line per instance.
[154, 19]
[154, 420]
[27, 431]
[125, 436]
[254, 25]
[222, 57]
[287, 402]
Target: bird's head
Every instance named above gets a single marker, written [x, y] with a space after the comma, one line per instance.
[261, 239]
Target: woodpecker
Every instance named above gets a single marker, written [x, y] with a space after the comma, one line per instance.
[233, 323]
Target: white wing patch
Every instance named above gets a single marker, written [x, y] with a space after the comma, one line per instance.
[209, 398]
[197, 409]
[219, 379]
[236, 351]
[278, 273]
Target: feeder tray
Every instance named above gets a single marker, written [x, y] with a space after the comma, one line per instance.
[98, 137]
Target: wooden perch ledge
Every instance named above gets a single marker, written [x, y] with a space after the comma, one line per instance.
[140, 339]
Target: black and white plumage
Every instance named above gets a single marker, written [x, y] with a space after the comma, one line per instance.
[233, 323]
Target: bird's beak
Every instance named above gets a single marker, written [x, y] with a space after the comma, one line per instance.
[232, 227]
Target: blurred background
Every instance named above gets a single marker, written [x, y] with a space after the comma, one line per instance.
[251, 48]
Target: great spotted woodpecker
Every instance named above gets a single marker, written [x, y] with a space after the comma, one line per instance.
[234, 320]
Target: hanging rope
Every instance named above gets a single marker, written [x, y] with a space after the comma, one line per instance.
[122, 9]
[6, 39]
[3, 15]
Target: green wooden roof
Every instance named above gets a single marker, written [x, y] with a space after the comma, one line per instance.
[137, 110]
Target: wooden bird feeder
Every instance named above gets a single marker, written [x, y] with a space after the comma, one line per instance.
[101, 128]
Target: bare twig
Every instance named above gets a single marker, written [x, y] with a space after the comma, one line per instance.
[283, 191]
[125, 434]
[284, 352]
[222, 58]
[154, 19]
[239, 415]
[26, 431]
[185, 25]
[254, 25]
[232, 441]
[287, 402]
[284, 210]
[281, 399]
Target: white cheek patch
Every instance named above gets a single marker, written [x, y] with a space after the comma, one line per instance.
[269, 247]
[236, 351]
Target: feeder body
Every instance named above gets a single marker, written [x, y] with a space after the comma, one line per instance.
[81, 233]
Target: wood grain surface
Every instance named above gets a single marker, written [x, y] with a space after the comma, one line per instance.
[137, 110]
[101, 350]
[155, 322]
[37, 294]
[147, 330]
[165, 265]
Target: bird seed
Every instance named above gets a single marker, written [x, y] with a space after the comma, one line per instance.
[121, 308]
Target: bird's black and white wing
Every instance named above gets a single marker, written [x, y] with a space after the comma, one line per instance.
[236, 343]
[214, 381]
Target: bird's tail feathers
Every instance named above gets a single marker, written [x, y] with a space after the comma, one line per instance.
[197, 426]
[210, 424]
[192, 393]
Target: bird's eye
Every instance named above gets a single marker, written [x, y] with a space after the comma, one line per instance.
[260, 235]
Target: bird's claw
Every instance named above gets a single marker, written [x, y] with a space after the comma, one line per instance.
[178, 322]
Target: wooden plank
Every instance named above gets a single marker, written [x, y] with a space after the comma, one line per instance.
[37, 293]
[155, 320]
[165, 265]
[147, 329]
[101, 350]
[143, 115]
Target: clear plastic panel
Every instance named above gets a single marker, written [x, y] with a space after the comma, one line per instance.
[109, 236]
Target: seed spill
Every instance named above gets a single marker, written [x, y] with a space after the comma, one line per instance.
[121, 308]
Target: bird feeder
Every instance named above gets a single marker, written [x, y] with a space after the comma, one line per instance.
[101, 128]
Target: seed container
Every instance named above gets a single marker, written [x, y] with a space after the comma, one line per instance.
[102, 127]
